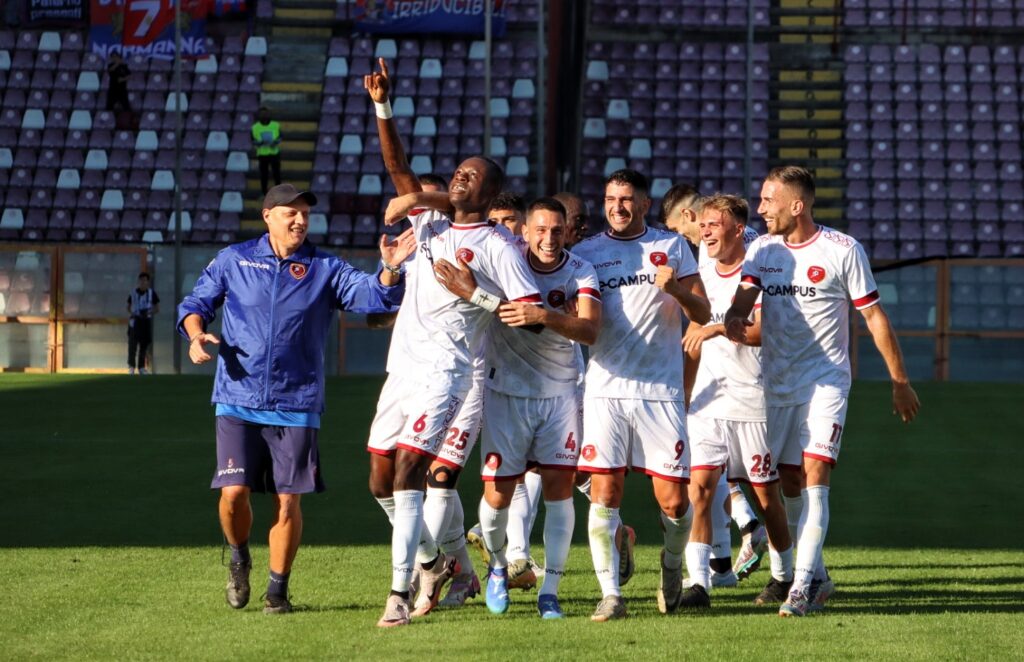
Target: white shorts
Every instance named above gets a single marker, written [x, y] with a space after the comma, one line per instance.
[414, 416]
[521, 433]
[813, 429]
[739, 447]
[464, 430]
[644, 435]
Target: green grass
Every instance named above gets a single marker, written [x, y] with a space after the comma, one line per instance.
[109, 545]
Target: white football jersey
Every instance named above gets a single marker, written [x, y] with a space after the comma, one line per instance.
[728, 384]
[446, 332]
[638, 353]
[546, 364]
[806, 292]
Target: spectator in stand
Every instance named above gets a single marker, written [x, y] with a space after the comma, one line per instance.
[266, 135]
[143, 303]
[117, 90]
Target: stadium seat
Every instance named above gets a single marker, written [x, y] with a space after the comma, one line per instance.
[163, 180]
[231, 201]
[13, 219]
[237, 162]
[317, 224]
[69, 179]
[88, 81]
[217, 141]
[351, 144]
[425, 126]
[500, 107]
[431, 68]
[112, 199]
[6, 158]
[370, 185]
[421, 164]
[33, 119]
[170, 106]
[152, 237]
[186, 221]
[207, 65]
[256, 46]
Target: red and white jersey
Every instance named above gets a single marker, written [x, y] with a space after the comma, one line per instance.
[749, 235]
[445, 332]
[806, 292]
[728, 384]
[638, 353]
[546, 364]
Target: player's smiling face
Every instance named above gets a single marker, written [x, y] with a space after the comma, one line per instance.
[287, 225]
[545, 234]
[777, 207]
[721, 234]
[625, 208]
[471, 187]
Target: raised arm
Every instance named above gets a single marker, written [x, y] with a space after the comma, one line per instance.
[378, 85]
[904, 400]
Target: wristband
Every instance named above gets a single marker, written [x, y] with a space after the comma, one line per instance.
[485, 300]
[383, 109]
[387, 267]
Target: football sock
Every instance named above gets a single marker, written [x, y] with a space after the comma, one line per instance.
[240, 553]
[454, 541]
[278, 584]
[675, 532]
[407, 530]
[388, 504]
[601, 525]
[518, 521]
[532, 482]
[493, 524]
[721, 530]
[794, 510]
[811, 535]
[559, 520]
[782, 564]
[437, 511]
[742, 513]
[698, 558]
[584, 488]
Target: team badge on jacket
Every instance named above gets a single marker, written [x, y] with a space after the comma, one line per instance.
[297, 271]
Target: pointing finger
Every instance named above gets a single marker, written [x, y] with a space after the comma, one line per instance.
[384, 67]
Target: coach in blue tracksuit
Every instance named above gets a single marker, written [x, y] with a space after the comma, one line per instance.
[279, 294]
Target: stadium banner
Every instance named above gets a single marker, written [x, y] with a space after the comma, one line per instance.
[146, 27]
[461, 17]
[55, 13]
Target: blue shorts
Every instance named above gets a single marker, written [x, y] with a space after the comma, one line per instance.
[267, 458]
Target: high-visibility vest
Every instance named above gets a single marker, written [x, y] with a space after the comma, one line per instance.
[266, 137]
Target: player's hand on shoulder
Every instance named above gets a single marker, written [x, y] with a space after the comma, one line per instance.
[665, 279]
[196, 348]
[517, 313]
[378, 83]
[905, 403]
[456, 278]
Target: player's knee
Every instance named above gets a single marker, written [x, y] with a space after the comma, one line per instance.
[288, 507]
[442, 477]
[234, 495]
[409, 473]
[381, 486]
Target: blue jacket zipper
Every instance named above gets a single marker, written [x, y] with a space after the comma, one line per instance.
[270, 336]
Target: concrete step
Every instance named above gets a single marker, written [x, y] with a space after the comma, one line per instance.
[300, 31]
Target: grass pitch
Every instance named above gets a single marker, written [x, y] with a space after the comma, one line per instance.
[110, 547]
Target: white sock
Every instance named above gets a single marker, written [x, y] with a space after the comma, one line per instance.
[675, 532]
[794, 510]
[454, 540]
[532, 483]
[518, 523]
[559, 520]
[601, 525]
[406, 532]
[782, 563]
[721, 524]
[437, 513]
[388, 504]
[742, 513]
[493, 524]
[584, 487]
[811, 535]
[698, 564]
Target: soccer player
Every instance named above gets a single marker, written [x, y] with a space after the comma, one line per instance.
[431, 370]
[633, 404]
[679, 210]
[509, 210]
[531, 412]
[577, 218]
[279, 295]
[808, 275]
[726, 417]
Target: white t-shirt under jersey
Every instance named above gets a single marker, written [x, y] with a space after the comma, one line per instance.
[445, 333]
[546, 364]
[728, 383]
[806, 292]
[638, 353]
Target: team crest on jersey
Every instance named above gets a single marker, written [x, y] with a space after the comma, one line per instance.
[816, 274]
[493, 461]
[297, 271]
[658, 258]
[556, 298]
[588, 452]
[465, 255]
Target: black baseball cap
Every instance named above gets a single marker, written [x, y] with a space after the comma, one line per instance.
[285, 194]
